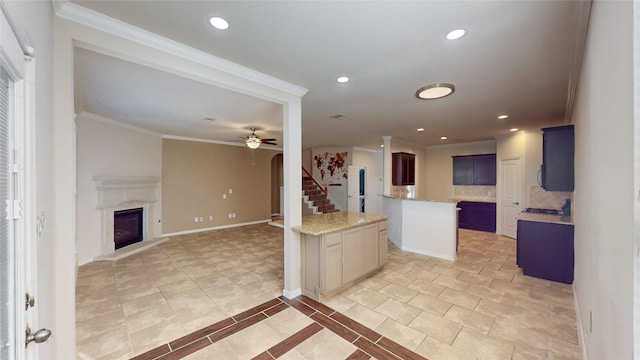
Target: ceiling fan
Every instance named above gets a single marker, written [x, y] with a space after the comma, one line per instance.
[253, 141]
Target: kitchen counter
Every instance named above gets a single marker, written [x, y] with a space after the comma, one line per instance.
[553, 219]
[482, 200]
[418, 199]
[331, 222]
[422, 226]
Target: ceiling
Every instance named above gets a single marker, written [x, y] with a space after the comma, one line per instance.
[518, 58]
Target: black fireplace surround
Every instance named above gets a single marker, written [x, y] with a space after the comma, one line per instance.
[127, 227]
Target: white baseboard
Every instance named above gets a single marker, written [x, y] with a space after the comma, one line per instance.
[291, 294]
[215, 228]
[581, 335]
[432, 254]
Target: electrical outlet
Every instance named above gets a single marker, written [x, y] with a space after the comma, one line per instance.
[196, 219]
[230, 191]
[210, 217]
[233, 215]
[230, 215]
[224, 196]
[200, 219]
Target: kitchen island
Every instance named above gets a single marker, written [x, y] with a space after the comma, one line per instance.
[339, 249]
[427, 227]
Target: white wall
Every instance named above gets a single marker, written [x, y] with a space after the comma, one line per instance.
[439, 166]
[372, 160]
[108, 149]
[604, 198]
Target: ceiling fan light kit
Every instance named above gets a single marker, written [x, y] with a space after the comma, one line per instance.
[253, 142]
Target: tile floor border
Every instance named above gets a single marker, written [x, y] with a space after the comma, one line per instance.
[369, 343]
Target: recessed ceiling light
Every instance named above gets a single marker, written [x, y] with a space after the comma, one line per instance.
[514, 129]
[219, 23]
[501, 117]
[382, 145]
[443, 138]
[456, 34]
[343, 79]
[420, 129]
[435, 91]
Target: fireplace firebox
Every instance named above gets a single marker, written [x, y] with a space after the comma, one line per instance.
[127, 227]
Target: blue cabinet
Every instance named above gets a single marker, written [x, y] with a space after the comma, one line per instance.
[475, 215]
[558, 158]
[545, 250]
[474, 170]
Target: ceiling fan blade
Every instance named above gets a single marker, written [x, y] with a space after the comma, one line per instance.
[263, 140]
[269, 142]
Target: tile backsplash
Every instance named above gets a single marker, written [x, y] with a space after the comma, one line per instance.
[539, 198]
[475, 192]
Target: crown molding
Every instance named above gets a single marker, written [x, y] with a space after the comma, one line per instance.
[99, 21]
[95, 117]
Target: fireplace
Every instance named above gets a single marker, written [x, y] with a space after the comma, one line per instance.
[117, 193]
[127, 227]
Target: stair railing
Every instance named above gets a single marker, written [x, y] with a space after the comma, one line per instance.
[325, 191]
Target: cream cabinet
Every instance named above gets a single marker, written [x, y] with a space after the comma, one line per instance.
[335, 260]
[382, 238]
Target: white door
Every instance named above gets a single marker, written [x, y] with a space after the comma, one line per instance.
[511, 199]
[353, 188]
[17, 215]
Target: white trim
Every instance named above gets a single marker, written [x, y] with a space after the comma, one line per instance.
[428, 253]
[96, 20]
[292, 294]
[210, 141]
[215, 228]
[92, 116]
[581, 335]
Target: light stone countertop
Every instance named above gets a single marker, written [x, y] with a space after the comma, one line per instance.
[554, 219]
[483, 200]
[419, 199]
[335, 221]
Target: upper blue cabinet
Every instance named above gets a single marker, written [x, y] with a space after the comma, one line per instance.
[474, 170]
[557, 158]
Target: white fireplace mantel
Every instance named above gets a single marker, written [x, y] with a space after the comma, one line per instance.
[120, 193]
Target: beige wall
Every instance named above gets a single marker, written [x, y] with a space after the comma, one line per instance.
[196, 175]
[604, 191]
[105, 148]
[422, 182]
[439, 166]
[527, 146]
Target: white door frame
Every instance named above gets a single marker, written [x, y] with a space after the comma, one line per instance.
[15, 59]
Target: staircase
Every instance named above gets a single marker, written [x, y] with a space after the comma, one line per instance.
[314, 198]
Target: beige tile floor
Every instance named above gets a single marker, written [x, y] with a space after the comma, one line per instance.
[479, 307]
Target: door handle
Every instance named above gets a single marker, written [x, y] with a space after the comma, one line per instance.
[38, 337]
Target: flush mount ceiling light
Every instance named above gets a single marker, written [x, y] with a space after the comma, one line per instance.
[219, 23]
[420, 130]
[514, 129]
[443, 138]
[502, 117]
[435, 91]
[343, 79]
[456, 34]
